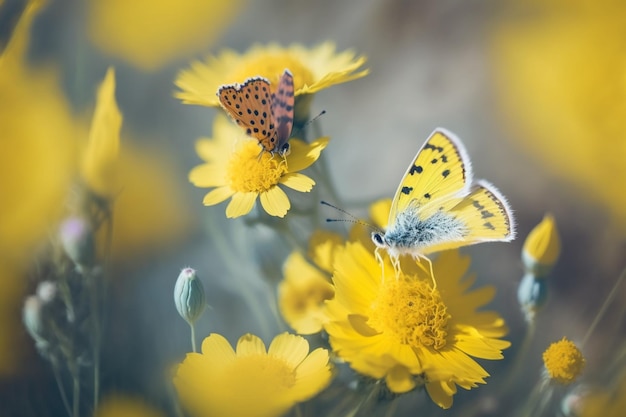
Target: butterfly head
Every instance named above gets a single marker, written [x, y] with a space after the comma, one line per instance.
[284, 150]
[378, 237]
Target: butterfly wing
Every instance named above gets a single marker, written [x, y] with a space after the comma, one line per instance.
[283, 101]
[441, 169]
[484, 213]
[249, 105]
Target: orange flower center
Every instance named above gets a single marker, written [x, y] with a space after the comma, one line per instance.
[410, 310]
[252, 171]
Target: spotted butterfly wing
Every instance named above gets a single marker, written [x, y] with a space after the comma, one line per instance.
[282, 110]
[483, 216]
[436, 207]
[249, 105]
[441, 168]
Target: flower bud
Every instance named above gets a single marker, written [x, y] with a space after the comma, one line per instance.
[189, 295]
[542, 247]
[77, 239]
[46, 291]
[532, 294]
[33, 319]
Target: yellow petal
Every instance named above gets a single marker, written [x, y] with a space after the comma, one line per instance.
[217, 196]
[275, 202]
[99, 165]
[303, 155]
[290, 348]
[249, 345]
[439, 392]
[379, 212]
[240, 205]
[400, 380]
[298, 182]
[207, 176]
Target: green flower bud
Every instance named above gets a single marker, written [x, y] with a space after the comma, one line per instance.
[189, 296]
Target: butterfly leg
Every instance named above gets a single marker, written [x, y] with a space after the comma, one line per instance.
[432, 273]
[379, 259]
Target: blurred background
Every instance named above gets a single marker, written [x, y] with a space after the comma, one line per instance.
[535, 89]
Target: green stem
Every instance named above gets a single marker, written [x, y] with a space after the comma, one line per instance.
[76, 393]
[602, 310]
[520, 359]
[57, 377]
[193, 337]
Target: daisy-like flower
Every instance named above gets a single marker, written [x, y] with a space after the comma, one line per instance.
[402, 330]
[305, 287]
[236, 169]
[252, 381]
[313, 70]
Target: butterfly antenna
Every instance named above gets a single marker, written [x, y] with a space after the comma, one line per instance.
[353, 219]
[323, 112]
[302, 128]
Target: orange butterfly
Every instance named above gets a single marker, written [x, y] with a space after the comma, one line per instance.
[266, 116]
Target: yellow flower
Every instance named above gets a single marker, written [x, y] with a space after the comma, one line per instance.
[605, 402]
[251, 382]
[561, 72]
[235, 167]
[407, 333]
[305, 288]
[564, 362]
[313, 70]
[150, 33]
[542, 247]
[123, 406]
[99, 162]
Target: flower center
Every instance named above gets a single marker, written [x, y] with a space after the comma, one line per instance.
[250, 172]
[261, 372]
[409, 309]
[564, 361]
[272, 65]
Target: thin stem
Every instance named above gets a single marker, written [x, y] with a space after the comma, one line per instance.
[602, 310]
[57, 377]
[193, 337]
[76, 393]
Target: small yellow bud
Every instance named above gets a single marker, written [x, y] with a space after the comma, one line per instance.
[542, 247]
[189, 295]
[564, 362]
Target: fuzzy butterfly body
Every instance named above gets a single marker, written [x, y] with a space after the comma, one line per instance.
[438, 207]
[264, 115]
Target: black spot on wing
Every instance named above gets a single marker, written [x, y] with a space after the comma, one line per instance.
[416, 168]
[485, 214]
[489, 226]
[407, 190]
[445, 173]
[477, 204]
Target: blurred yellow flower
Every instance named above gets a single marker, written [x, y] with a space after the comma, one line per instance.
[313, 70]
[124, 406]
[400, 329]
[251, 382]
[150, 33]
[98, 168]
[564, 362]
[542, 247]
[606, 401]
[561, 74]
[235, 167]
[301, 295]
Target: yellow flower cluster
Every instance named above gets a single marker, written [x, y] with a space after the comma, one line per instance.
[395, 328]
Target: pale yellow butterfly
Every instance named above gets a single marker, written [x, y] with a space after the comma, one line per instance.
[438, 207]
